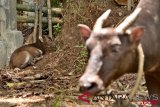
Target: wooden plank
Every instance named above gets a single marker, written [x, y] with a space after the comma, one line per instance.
[25, 19]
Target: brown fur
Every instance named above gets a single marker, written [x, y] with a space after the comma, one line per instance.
[29, 54]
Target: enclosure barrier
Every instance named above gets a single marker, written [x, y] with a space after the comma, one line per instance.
[31, 8]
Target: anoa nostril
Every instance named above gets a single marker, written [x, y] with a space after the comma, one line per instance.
[84, 86]
[93, 85]
[87, 87]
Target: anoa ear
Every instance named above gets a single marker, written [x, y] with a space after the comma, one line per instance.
[84, 30]
[135, 34]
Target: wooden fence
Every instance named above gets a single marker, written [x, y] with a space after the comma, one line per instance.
[38, 8]
[31, 8]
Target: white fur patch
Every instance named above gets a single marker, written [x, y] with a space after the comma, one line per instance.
[27, 59]
[28, 56]
[40, 51]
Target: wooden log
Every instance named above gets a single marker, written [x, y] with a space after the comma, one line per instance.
[25, 19]
[129, 3]
[121, 2]
[31, 8]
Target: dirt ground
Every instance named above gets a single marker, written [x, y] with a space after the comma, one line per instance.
[53, 81]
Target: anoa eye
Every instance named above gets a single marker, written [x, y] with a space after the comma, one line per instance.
[115, 48]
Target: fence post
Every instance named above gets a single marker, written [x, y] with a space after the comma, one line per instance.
[49, 18]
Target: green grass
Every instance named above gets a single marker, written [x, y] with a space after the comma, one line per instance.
[81, 60]
[55, 3]
[57, 102]
[56, 29]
